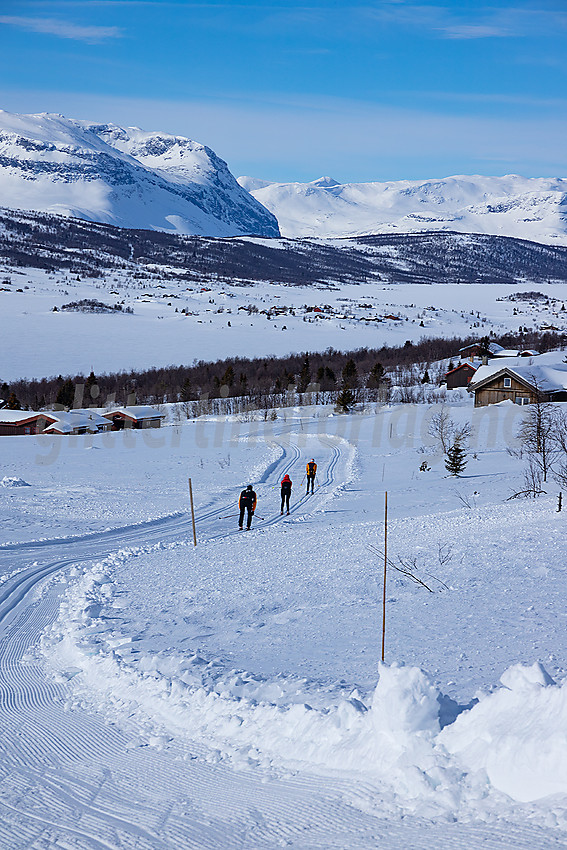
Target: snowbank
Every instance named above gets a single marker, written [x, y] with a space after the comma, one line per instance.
[517, 735]
[13, 482]
[514, 739]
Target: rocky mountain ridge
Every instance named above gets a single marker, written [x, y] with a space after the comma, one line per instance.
[123, 176]
[93, 249]
[533, 208]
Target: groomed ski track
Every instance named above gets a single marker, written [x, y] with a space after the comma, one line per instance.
[72, 781]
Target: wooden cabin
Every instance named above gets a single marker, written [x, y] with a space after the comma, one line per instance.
[460, 376]
[519, 384]
[135, 416]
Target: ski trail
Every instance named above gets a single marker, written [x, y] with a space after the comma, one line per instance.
[70, 779]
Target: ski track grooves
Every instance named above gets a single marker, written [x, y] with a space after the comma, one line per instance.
[71, 780]
[54, 743]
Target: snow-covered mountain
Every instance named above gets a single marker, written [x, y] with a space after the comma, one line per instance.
[126, 177]
[527, 208]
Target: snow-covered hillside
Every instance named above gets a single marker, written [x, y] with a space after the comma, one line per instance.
[127, 177]
[162, 696]
[527, 208]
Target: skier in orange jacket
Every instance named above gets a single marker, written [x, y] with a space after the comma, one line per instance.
[311, 471]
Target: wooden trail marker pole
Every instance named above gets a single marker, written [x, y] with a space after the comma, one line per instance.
[192, 512]
[385, 570]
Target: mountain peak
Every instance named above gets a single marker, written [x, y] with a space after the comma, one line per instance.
[530, 208]
[123, 176]
[325, 183]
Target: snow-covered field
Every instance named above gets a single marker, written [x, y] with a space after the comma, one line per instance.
[173, 324]
[161, 695]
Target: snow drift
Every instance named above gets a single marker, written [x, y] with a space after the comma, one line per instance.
[517, 735]
[514, 739]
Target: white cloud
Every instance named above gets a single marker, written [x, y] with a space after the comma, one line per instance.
[475, 31]
[62, 29]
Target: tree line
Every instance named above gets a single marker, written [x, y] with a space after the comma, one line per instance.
[258, 379]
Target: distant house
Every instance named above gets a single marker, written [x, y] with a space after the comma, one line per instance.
[461, 375]
[514, 352]
[76, 422]
[136, 416]
[519, 382]
[478, 351]
[51, 422]
[14, 422]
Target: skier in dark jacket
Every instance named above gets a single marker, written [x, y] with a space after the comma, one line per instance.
[247, 502]
[286, 492]
[311, 472]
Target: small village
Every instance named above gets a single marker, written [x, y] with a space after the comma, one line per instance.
[491, 373]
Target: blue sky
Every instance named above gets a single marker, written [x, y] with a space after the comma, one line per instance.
[381, 90]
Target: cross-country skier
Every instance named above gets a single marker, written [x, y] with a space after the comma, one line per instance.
[247, 502]
[311, 470]
[286, 492]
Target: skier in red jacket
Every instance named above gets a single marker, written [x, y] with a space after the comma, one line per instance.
[286, 492]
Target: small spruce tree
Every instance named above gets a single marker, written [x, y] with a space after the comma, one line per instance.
[350, 375]
[13, 403]
[456, 459]
[304, 376]
[345, 400]
[92, 390]
[376, 376]
[66, 394]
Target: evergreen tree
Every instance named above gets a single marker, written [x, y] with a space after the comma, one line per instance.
[66, 394]
[456, 459]
[13, 403]
[375, 377]
[345, 400]
[186, 390]
[91, 386]
[425, 379]
[304, 376]
[228, 377]
[349, 375]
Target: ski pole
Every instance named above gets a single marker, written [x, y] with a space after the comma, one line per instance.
[228, 516]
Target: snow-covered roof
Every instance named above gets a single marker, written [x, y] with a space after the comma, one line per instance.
[137, 412]
[546, 373]
[12, 417]
[95, 417]
[515, 352]
[465, 364]
[69, 421]
[493, 347]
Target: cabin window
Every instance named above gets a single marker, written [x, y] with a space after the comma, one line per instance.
[507, 383]
[522, 399]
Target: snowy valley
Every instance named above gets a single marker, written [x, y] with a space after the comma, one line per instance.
[158, 693]
[230, 694]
